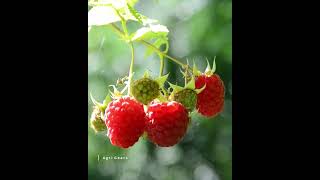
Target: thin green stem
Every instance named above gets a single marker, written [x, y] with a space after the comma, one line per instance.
[132, 59]
[161, 66]
[167, 47]
[131, 68]
[161, 59]
[122, 34]
[185, 80]
[124, 27]
[162, 53]
[114, 27]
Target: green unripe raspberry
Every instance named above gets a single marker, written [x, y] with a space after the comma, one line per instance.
[187, 97]
[97, 123]
[145, 90]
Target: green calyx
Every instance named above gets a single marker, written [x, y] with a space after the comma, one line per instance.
[163, 97]
[96, 121]
[187, 97]
[209, 71]
[101, 106]
[97, 117]
[122, 83]
[145, 90]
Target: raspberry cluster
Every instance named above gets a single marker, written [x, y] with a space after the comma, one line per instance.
[145, 106]
[162, 114]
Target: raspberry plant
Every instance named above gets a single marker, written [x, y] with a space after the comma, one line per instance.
[145, 106]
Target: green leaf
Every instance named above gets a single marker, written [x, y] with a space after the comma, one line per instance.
[191, 84]
[209, 71]
[95, 102]
[195, 69]
[175, 88]
[147, 21]
[161, 80]
[110, 12]
[132, 2]
[208, 68]
[116, 93]
[146, 74]
[115, 3]
[214, 65]
[147, 33]
[198, 91]
[134, 13]
[107, 100]
[99, 3]
[162, 98]
[102, 15]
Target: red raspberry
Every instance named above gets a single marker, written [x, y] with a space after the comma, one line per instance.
[210, 101]
[125, 121]
[167, 123]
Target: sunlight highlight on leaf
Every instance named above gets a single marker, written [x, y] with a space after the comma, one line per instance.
[154, 31]
[102, 15]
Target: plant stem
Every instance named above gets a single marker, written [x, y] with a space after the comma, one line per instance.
[162, 53]
[125, 33]
[114, 27]
[161, 59]
[131, 68]
[185, 79]
[124, 27]
[161, 65]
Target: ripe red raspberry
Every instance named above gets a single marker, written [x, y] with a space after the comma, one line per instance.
[211, 100]
[167, 123]
[125, 119]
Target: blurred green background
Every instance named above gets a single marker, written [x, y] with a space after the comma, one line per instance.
[199, 29]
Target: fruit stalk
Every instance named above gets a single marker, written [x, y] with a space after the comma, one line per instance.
[125, 33]
[161, 66]
[162, 53]
[131, 68]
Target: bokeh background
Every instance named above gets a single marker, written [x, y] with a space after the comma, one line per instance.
[199, 29]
